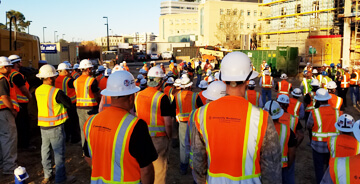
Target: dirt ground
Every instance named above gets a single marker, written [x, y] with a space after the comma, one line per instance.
[76, 165]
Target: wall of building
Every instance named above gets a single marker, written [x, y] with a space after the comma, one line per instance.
[113, 41]
[178, 7]
[160, 47]
[65, 52]
[177, 25]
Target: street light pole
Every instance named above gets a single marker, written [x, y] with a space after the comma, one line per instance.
[107, 30]
[44, 34]
[55, 36]
[29, 27]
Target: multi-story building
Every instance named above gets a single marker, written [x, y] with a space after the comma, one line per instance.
[178, 27]
[133, 38]
[178, 7]
[113, 41]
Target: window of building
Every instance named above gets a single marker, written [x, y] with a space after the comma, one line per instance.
[235, 11]
[221, 11]
[261, 13]
[298, 8]
[255, 13]
[228, 12]
[242, 12]
[221, 25]
[283, 11]
[227, 37]
[248, 13]
[248, 25]
[254, 25]
[242, 26]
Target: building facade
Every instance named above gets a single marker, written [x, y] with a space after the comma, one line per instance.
[113, 41]
[178, 7]
[177, 27]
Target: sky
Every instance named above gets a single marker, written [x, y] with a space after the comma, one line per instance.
[83, 19]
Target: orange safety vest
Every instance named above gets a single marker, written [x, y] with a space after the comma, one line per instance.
[253, 97]
[145, 68]
[267, 81]
[324, 118]
[311, 106]
[84, 95]
[294, 107]
[108, 142]
[343, 146]
[284, 135]
[127, 68]
[107, 101]
[284, 88]
[175, 71]
[238, 160]
[168, 91]
[289, 120]
[61, 82]
[99, 77]
[335, 101]
[185, 103]
[354, 81]
[148, 108]
[75, 75]
[21, 98]
[203, 99]
[345, 82]
[344, 169]
[13, 96]
[102, 83]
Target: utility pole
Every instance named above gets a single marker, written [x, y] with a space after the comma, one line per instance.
[107, 30]
[29, 27]
[44, 34]
[55, 36]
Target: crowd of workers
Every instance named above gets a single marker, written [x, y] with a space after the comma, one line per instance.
[227, 133]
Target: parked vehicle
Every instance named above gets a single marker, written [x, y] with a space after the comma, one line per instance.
[154, 57]
[166, 55]
[140, 56]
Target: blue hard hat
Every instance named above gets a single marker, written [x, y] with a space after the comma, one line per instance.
[324, 73]
[200, 62]
[338, 65]
[189, 63]
[172, 61]
[332, 64]
[305, 71]
[185, 65]
[207, 60]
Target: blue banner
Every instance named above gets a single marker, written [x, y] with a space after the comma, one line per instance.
[48, 48]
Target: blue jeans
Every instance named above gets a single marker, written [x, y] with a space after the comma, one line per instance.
[265, 93]
[54, 138]
[288, 174]
[354, 94]
[319, 160]
[198, 80]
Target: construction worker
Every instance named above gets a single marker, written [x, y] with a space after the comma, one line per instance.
[143, 84]
[345, 144]
[263, 65]
[229, 118]
[87, 94]
[103, 81]
[203, 86]
[208, 74]
[124, 152]
[308, 67]
[100, 73]
[145, 67]
[105, 101]
[154, 108]
[253, 96]
[190, 70]
[296, 108]
[207, 65]
[325, 68]
[8, 132]
[126, 68]
[21, 86]
[333, 70]
[76, 72]
[315, 74]
[340, 69]
[310, 102]
[325, 79]
[186, 101]
[266, 83]
[354, 88]
[335, 101]
[65, 83]
[344, 85]
[138, 79]
[344, 169]
[305, 84]
[287, 141]
[53, 105]
[168, 90]
[199, 73]
[283, 86]
[320, 122]
[162, 67]
[175, 71]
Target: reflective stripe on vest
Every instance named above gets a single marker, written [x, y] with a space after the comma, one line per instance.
[297, 108]
[319, 135]
[345, 82]
[346, 147]
[153, 124]
[305, 84]
[283, 138]
[293, 122]
[313, 101]
[181, 115]
[75, 75]
[63, 85]
[341, 169]
[21, 98]
[12, 96]
[249, 175]
[286, 90]
[251, 100]
[87, 99]
[266, 81]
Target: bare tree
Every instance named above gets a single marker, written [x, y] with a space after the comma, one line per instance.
[228, 29]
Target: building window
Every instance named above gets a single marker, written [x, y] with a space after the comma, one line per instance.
[221, 11]
[261, 13]
[235, 11]
[248, 13]
[248, 25]
[242, 26]
[283, 11]
[254, 26]
[228, 11]
[227, 37]
[242, 12]
[255, 13]
[298, 8]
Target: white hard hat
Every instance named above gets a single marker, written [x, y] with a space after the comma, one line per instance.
[215, 90]
[156, 72]
[116, 69]
[177, 82]
[315, 82]
[76, 66]
[283, 76]
[356, 130]
[184, 76]
[308, 63]
[124, 62]
[170, 80]
[161, 64]
[142, 71]
[208, 72]
[297, 92]
[143, 82]
[47, 71]
[266, 72]
[283, 99]
[14, 58]
[203, 84]
[107, 72]
[314, 71]
[217, 75]
[322, 95]
[186, 82]
[324, 64]
[236, 66]
[101, 68]
[104, 65]
[210, 79]
[63, 66]
[140, 77]
[175, 64]
[345, 123]
[120, 83]
[252, 83]
[85, 63]
[274, 109]
[4, 61]
[170, 74]
[331, 85]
